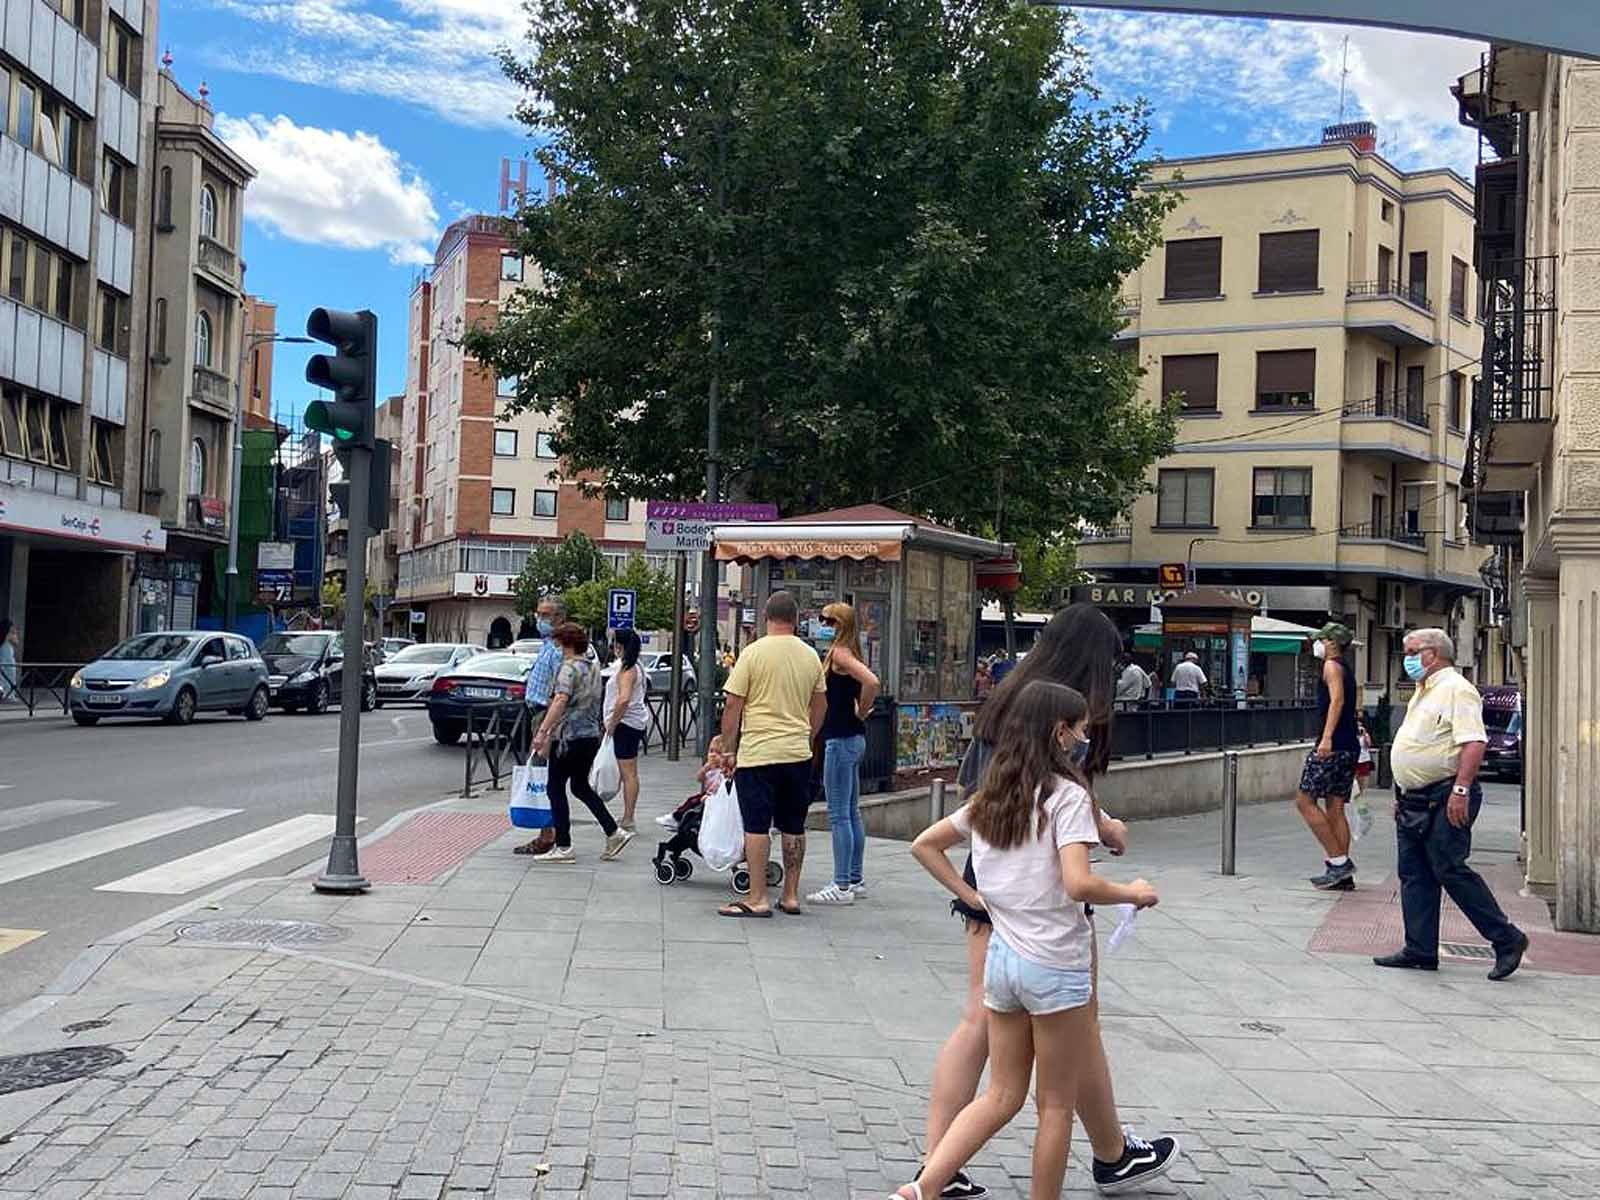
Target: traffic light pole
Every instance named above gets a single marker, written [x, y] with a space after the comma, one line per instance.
[343, 874]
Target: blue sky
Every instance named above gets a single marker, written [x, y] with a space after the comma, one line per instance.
[375, 123]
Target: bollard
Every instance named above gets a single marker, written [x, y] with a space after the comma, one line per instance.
[936, 802]
[1230, 809]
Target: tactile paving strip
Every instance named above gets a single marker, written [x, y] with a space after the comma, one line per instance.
[429, 845]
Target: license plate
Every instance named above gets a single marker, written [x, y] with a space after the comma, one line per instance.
[103, 701]
[482, 693]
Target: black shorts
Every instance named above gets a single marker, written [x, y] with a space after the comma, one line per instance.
[965, 910]
[776, 795]
[1329, 778]
[626, 741]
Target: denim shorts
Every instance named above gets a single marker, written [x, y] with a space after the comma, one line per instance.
[1012, 983]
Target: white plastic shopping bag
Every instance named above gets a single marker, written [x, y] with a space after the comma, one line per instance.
[1360, 818]
[530, 796]
[722, 829]
[605, 777]
[1124, 930]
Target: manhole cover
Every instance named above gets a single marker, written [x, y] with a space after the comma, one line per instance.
[21, 1072]
[84, 1026]
[1260, 1027]
[1464, 950]
[256, 931]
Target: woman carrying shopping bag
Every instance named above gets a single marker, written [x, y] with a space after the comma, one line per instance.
[627, 718]
[569, 737]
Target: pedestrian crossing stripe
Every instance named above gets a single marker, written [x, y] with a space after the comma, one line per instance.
[216, 863]
[10, 939]
[48, 810]
[51, 856]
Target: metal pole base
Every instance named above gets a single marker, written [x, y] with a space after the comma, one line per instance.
[343, 874]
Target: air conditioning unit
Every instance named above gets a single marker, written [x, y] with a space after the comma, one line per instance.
[1391, 605]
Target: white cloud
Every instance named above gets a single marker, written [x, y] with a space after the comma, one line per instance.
[1276, 83]
[332, 188]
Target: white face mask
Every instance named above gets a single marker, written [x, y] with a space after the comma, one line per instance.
[1319, 649]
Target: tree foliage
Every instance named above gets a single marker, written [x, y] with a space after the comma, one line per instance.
[554, 569]
[586, 603]
[894, 231]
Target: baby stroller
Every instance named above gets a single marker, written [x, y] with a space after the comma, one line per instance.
[672, 867]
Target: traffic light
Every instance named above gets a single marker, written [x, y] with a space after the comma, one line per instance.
[351, 375]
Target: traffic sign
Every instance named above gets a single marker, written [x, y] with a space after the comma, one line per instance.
[621, 604]
[673, 526]
[275, 586]
[275, 556]
[1172, 575]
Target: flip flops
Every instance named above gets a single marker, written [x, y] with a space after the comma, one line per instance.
[739, 910]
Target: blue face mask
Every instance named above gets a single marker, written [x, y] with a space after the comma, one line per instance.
[1413, 666]
[1079, 754]
[546, 628]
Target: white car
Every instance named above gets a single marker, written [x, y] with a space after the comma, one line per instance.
[657, 666]
[408, 675]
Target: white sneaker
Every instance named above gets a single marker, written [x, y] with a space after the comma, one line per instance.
[859, 890]
[668, 821]
[558, 855]
[833, 894]
[616, 843]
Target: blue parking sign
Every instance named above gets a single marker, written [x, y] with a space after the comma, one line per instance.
[620, 607]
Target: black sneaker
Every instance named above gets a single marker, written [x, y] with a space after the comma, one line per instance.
[1340, 878]
[962, 1188]
[1141, 1160]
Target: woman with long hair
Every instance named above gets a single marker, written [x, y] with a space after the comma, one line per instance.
[852, 688]
[627, 718]
[1078, 648]
[1032, 823]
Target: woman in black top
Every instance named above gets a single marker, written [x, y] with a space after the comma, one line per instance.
[1330, 770]
[852, 688]
[1080, 647]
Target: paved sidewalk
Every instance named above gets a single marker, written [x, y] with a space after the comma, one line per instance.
[509, 1032]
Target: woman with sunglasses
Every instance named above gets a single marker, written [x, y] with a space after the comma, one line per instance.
[852, 688]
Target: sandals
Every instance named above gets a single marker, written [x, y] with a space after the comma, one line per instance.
[739, 910]
[796, 911]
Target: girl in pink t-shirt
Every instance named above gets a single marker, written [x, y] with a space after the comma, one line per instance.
[1031, 823]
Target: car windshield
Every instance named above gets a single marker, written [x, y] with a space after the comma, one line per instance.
[152, 647]
[424, 654]
[305, 644]
[1502, 720]
[512, 666]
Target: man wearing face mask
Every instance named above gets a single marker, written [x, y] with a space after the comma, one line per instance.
[1435, 760]
[1330, 768]
[541, 682]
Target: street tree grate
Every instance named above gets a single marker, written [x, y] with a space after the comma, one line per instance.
[1464, 950]
[23, 1072]
[259, 931]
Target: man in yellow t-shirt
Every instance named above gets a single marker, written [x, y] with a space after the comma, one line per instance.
[775, 699]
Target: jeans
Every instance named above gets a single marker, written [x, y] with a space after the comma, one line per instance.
[1433, 857]
[841, 780]
[570, 763]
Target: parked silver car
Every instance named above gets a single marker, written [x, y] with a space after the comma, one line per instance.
[408, 675]
[172, 675]
[657, 666]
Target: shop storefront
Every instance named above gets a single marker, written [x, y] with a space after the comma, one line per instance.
[166, 592]
[913, 587]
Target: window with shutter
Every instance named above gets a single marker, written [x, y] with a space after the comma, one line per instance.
[1289, 261]
[1282, 498]
[1458, 288]
[1417, 284]
[1184, 498]
[1286, 379]
[1194, 269]
[1458, 391]
[1194, 376]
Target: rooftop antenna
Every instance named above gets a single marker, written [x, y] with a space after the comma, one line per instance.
[1344, 77]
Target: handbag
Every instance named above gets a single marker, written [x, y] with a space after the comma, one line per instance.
[530, 796]
[605, 776]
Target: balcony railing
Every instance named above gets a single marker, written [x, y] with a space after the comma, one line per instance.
[1415, 293]
[1519, 319]
[1107, 533]
[1130, 306]
[212, 388]
[1395, 406]
[219, 260]
[1398, 531]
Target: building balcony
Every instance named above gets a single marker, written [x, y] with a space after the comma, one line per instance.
[1106, 533]
[1389, 549]
[219, 262]
[1514, 400]
[1392, 426]
[212, 392]
[1498, 518]
[206, 515]
[1398, 313]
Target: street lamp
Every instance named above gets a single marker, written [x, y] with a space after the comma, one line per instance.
[1189, 572]
[230, 609]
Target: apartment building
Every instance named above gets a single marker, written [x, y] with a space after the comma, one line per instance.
[76, 80]
[260, 330]
[1315, 310]
[1534, 470]
[478, 491]
[196, 324]
[383, 550]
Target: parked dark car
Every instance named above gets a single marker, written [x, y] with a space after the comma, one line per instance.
[1502, 721]
[474, 690]
[306, 670]
[171, 675]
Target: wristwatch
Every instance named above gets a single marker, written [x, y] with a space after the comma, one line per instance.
[1458, 790]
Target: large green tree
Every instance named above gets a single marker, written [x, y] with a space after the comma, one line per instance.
[890, 234]
[554, 568]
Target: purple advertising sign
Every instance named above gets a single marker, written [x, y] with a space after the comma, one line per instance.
[698, 510]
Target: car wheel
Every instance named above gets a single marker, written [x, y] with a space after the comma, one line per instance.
[257, 708]
[86, 718]
[369, 696]
[319, 700]
[182, 708]
[446, 735]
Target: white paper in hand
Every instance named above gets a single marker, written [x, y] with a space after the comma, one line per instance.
[1124, 930]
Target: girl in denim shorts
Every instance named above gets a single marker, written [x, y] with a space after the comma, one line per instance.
[1031, 824]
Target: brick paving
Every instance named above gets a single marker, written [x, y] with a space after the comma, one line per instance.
[508, 1034]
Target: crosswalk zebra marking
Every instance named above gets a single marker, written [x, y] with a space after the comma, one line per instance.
[212, 865]
[10, 939]
[47, 810]
[64, 852]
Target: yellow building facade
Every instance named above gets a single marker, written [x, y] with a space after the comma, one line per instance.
[1316, 311]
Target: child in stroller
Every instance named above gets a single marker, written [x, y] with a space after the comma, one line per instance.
[670, 864]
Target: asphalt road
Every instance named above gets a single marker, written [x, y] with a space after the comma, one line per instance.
[84, 808]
